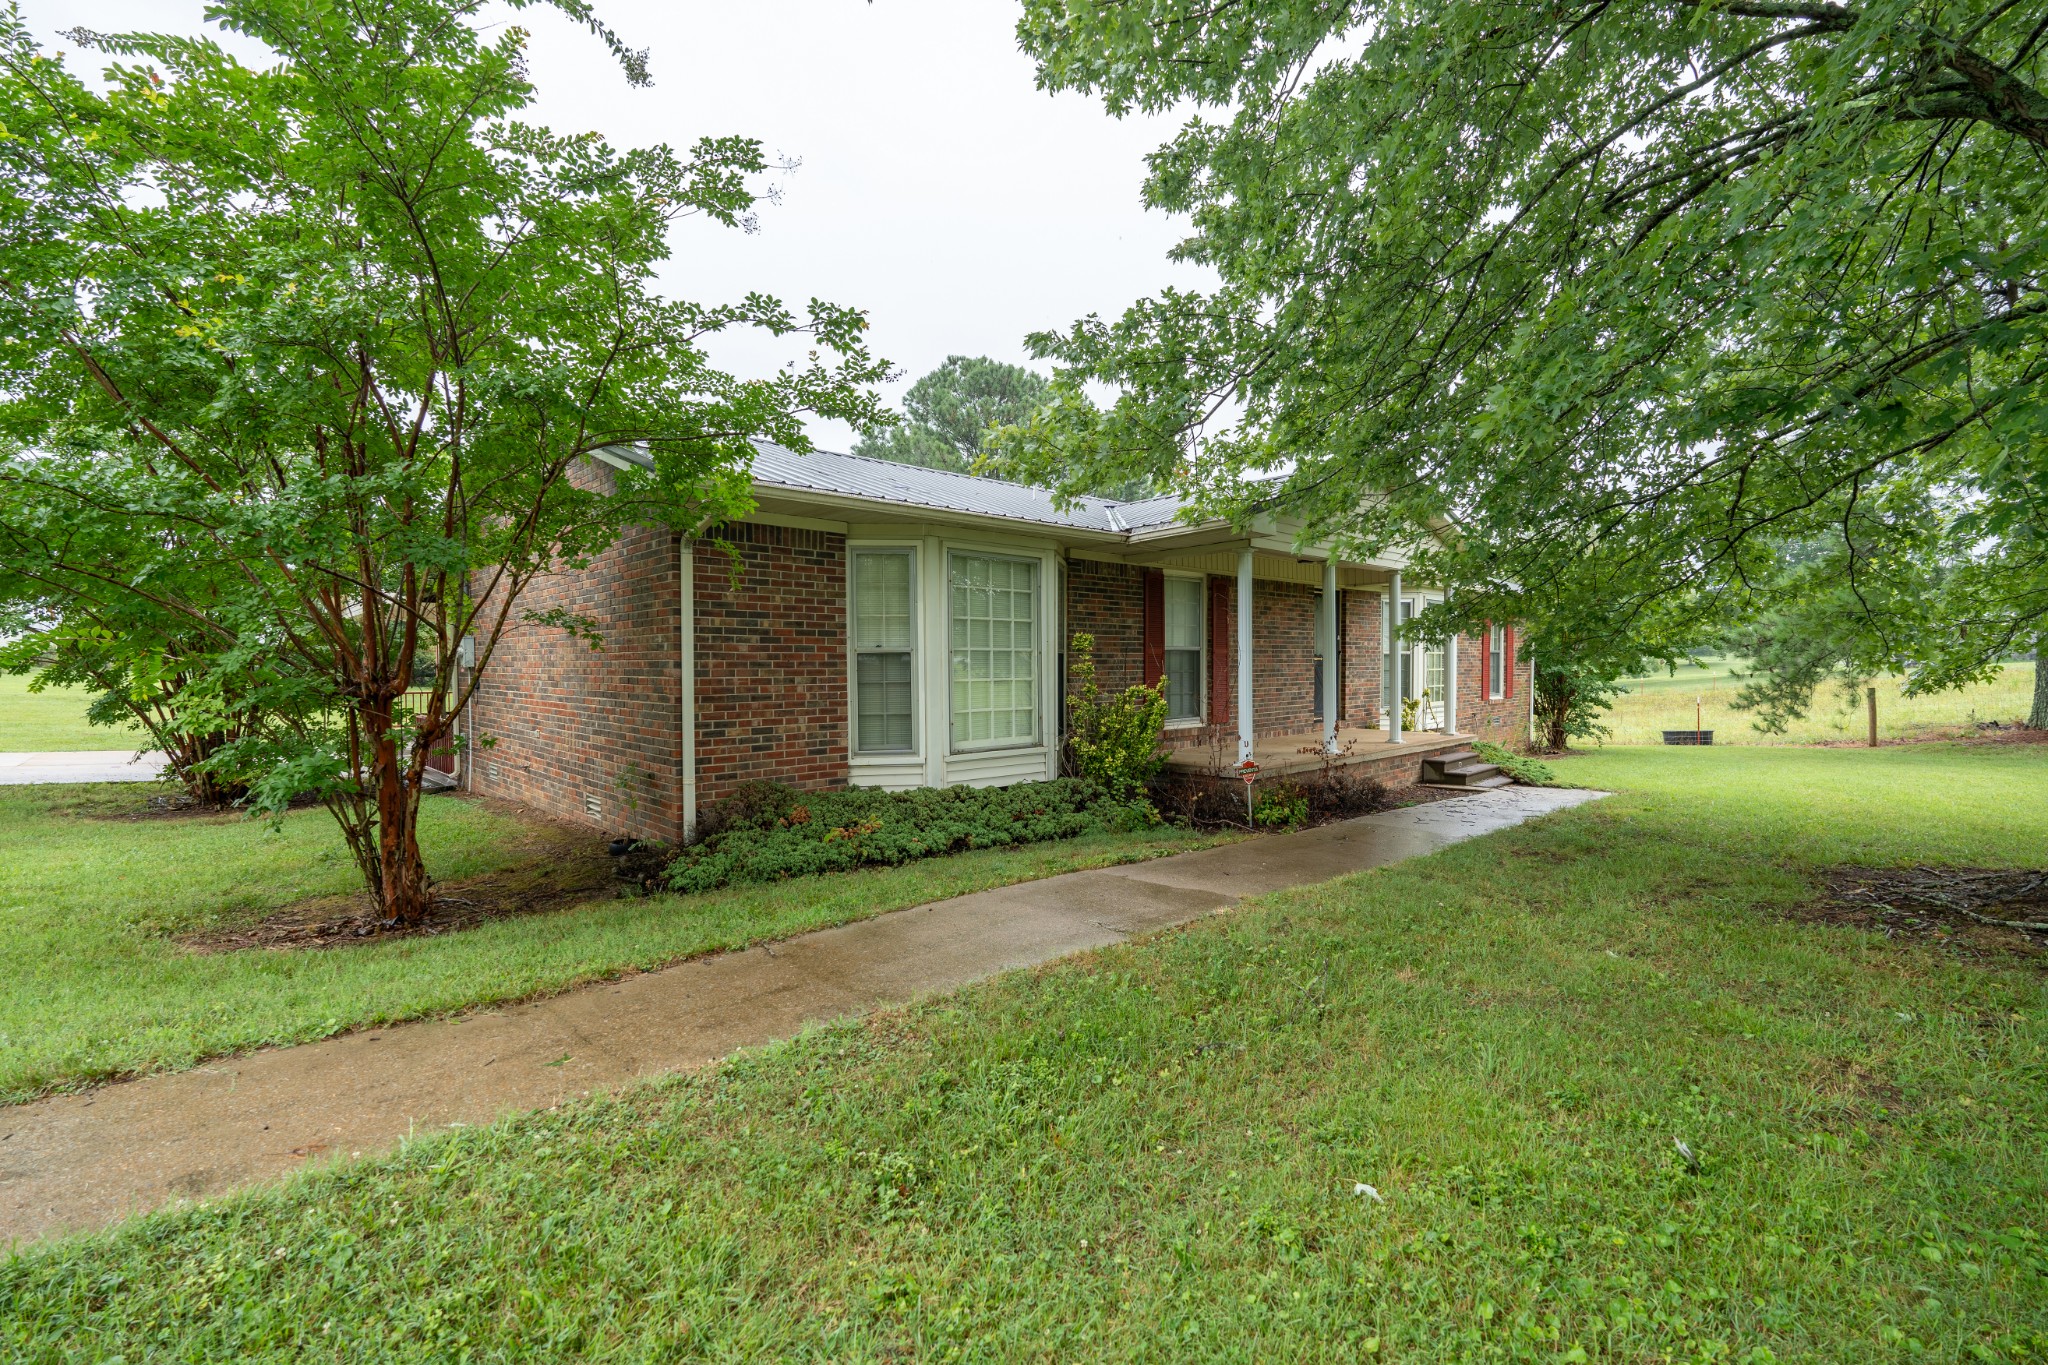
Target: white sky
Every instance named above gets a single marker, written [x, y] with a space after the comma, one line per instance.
[938, 189]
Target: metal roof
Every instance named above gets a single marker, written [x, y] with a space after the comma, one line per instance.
[862, 476]
[906, 485]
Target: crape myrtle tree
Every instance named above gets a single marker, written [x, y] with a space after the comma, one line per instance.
[343, 329]
[1626, 296]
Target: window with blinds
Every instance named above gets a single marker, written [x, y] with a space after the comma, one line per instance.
[884, 651]
[1184, 671]
[994, 624]
[1496, 659]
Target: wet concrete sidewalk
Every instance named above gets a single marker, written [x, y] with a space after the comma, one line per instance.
[81, 1161]
[84, 765]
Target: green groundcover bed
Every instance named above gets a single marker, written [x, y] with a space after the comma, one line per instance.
[1428, 1113]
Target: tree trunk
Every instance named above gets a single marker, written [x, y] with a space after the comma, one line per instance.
[2038, 717]
[401, 887]
[1553, 710]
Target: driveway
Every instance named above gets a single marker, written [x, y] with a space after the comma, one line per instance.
[84, 765]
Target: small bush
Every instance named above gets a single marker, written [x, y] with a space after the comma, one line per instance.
[765, 832]
[1282, 806]
[1114, 739]
[1528, 771]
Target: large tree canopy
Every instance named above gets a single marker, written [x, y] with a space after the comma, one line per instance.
[949, 413]
[1630, 295]
[328, 341]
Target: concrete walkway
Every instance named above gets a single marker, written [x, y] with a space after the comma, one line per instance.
[80, 1161]
[84, 765]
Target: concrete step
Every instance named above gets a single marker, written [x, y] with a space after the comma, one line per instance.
[1484, 784]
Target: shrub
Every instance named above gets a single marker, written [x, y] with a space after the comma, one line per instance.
[765, 832]
[1528, 771]
[1113, 741]
[1284, 806]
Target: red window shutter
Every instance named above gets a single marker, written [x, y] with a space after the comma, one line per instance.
[1507, 662]
[1486, 663]
[1219, 650]
[1155, 626]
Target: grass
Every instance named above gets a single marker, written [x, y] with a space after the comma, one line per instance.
[93, 984]
[1151, 1153]
[54, 719]
[1663, 702]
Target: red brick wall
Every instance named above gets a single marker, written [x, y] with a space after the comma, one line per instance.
[1108, 601]
[569, 724]
[771, 659]
[1364, 632]
[1505, 721]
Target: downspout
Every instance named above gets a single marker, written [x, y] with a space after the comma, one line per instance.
[686, 681]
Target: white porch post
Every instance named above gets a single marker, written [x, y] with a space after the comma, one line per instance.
[686, 682]
[1451, 686]
[1244, 654]
[1331, 654]
[1393, 657]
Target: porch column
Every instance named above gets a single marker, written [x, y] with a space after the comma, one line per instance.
[1394, 644]
[1331, 654]
[1451, 685]
[1244, 654]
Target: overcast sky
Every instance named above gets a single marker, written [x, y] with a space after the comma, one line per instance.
[938, 188]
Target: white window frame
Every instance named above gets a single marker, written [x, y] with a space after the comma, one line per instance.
[1496, 663]
[1201, 716]
[1042, 660]
[909, 550]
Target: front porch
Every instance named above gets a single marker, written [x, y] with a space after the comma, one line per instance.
[1281, 755]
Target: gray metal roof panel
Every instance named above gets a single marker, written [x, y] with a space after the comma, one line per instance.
[904, 485]
[861, 476]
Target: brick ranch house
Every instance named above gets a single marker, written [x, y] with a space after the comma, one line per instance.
[893, 626]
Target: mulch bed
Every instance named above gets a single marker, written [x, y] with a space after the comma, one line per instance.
[1971, 912]
[568, 866]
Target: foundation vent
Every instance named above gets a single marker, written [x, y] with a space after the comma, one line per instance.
[594, 805]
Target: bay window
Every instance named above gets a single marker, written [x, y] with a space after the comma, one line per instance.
[993, 612]
[884, 651]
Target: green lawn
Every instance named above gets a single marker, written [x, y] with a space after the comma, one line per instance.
[1151, 1153]
[33, 722]
[93, 985]
[1663, 702]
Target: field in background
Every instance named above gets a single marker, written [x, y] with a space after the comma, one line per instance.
[1662, 702]
[53, 719]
